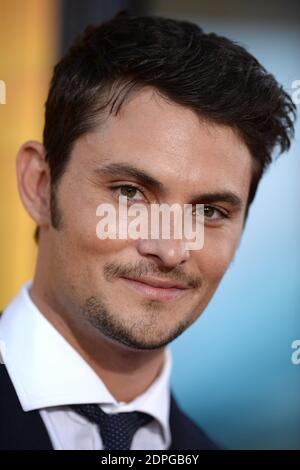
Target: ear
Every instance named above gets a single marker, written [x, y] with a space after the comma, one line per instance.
[34, 181]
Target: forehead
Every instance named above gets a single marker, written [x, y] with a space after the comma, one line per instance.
[170, 142]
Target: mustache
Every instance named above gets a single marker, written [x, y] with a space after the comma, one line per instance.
[114, 270]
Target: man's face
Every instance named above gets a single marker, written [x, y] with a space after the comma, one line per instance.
[191, 161]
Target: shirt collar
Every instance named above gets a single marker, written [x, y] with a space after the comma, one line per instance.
[47, 371]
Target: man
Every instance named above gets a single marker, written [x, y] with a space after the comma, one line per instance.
[156, 111]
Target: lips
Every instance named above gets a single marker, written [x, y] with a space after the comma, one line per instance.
[161, 283]
[156, 289]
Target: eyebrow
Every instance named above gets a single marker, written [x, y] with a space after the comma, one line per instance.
[220, 196]
[127, 170]
[124, 169]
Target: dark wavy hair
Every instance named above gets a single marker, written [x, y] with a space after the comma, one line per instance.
[215, 77]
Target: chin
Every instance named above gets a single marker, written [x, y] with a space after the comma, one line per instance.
[141, 345]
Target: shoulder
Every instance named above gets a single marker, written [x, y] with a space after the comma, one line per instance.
[19, 430]
[186, 435]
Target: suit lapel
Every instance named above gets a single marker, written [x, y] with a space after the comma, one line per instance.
[185, 434]
[19, 430]
[26, 430]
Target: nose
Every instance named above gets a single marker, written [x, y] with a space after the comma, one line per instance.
[170, 253]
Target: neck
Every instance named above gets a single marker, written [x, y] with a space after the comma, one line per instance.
[126, 372]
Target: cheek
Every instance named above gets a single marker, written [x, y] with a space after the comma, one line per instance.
[88, 249]
[216, 255]
[79, 251]
[80, 221]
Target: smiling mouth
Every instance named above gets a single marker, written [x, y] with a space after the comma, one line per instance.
[155, 292]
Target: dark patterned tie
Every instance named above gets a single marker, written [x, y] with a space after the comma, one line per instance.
[116, 430]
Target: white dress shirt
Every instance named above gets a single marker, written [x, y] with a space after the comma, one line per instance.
[48, 374]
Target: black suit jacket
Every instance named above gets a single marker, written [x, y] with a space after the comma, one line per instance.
[21, 430]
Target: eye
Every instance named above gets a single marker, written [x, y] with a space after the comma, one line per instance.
[129, 191]
[213, 213]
